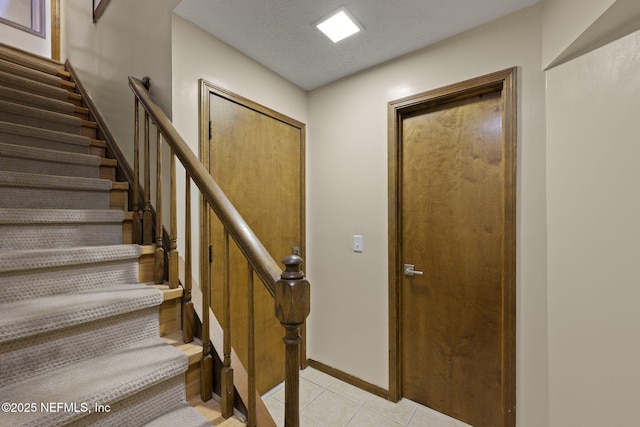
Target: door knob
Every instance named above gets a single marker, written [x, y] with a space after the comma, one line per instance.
[409, 270]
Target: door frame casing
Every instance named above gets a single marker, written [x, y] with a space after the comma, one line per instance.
[206, 90]
[504, 81]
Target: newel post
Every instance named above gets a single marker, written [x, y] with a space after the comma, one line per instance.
[292, 300]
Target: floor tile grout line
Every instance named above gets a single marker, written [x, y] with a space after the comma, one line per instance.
[353, 416]
[413, 414]
[415, 411]
[324, 390]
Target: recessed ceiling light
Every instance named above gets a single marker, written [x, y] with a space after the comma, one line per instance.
[339, 25]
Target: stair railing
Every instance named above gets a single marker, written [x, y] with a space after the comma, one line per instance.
[289, 288]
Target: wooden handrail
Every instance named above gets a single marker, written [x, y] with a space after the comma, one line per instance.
[255, 252]
[289, 288]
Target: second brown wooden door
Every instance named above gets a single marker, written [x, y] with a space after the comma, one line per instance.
[457, 249]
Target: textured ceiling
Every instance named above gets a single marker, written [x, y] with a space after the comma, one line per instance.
[281, 35]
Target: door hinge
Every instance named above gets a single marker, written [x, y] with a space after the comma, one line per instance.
[210, 254]
[210, 130]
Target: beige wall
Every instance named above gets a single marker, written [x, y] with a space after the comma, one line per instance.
[130, 38]
[347, 185]
[594, 237]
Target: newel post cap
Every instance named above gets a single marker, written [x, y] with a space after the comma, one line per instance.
[292, 293]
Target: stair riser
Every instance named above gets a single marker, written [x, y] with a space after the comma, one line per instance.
[97, 151]
[68, 346]
[146, 266]
[52, 198]
[169, 317]
[46, 167]
[58, 126]
[119, 199]
[192, 381]
[108, 172]
[82, 114]
[89, 131]
[75, 99]
[54, 236]
[127, 231]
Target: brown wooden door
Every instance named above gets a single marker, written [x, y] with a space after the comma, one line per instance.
[256, 155]
[455, 177]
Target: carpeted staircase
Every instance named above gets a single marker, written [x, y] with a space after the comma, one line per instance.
[79, 334]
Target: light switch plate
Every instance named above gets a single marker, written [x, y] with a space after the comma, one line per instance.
[357, 243]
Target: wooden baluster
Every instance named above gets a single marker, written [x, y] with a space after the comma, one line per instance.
[188, 316]
[251, 364]
[206, 365]
[226, 390]
[292, 306]
[147, 216]
[173, 227]
[159, 261]
[136, 228]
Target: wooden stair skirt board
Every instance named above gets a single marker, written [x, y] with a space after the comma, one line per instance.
[78, 322]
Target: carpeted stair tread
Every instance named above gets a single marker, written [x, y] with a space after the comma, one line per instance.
[72, 345]
[28, 85]
[183, 415]
[25, 318]
[25, 260]
[17, 158]
[17, 134]
[29, 73]
[59, 228]
[21, 190]
[34, 100]
[23, 114]
[104, 380]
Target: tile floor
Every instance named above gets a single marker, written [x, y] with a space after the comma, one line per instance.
[328, 402]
